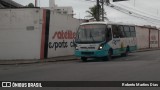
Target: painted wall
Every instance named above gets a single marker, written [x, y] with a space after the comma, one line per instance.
[159, 38]
[61, 34]
[23, 34]
[142, 35]
[20, 33]
[153, 38]
[147, 37]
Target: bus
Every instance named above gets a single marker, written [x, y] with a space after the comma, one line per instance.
[104, 40]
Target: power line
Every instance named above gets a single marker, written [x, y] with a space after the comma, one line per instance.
[139, 11]
[131, 13]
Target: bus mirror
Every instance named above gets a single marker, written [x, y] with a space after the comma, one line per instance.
[108, 32]
[74, 44]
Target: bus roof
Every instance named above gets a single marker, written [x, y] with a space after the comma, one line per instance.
[108, 22]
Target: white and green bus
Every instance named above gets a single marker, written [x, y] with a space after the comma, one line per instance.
[104, 40]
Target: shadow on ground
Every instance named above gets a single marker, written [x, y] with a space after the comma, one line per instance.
[114, 59]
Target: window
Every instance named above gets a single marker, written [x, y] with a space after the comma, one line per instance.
[92, 33]
[59, 11]
[64, 12]
[127, 31]
[133, 33]
[121, 30]
[116, 32]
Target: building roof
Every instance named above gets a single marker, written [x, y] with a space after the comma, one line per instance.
[9, 4]
[107, 22]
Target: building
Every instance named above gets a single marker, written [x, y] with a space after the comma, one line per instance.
[66, 10]
[9, 4]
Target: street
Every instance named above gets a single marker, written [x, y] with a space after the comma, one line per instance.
[138, 66]
[45, 44]
[143, 66]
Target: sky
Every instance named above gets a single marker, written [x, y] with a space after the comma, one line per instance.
[81, 6]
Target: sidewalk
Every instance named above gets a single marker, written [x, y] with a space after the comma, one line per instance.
[55, 59]
[150, 49]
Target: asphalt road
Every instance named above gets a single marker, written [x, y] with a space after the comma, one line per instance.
[139, 66]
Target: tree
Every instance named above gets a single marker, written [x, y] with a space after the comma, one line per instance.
[31, 5]
[93, 11]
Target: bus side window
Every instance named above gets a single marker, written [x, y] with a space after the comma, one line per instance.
[116, 33]
[133, 32]
[127, 31]
[121, 31]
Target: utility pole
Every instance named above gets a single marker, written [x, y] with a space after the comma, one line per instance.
[98, 14]
[35, 3]
[102, 10]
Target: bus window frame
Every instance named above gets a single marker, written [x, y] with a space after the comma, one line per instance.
[126, 35]
[133, 33]
[118, 32]
[109, 30]
[122, 32]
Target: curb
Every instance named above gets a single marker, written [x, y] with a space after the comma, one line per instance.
[56, 59]
[143, 50]
[18, 62]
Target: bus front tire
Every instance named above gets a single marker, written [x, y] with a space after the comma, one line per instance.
[84, 59]
[109, 57]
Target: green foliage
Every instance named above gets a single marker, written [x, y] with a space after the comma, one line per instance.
[93, 11]
[31, 5]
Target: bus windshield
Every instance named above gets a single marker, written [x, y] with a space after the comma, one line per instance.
[91, 33]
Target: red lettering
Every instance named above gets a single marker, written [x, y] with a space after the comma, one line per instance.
[59, 35]
[74, 35]
[64, 35]
[68, 35]
[55, 34]
[71, 35]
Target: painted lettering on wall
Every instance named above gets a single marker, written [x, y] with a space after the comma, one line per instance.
[61, 37]
[64, 35]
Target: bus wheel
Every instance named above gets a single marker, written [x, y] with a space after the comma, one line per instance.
[126, 53]
[84, 59]
[109, 55]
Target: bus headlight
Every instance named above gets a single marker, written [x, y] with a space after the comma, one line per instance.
[100, 47]
[76, 48]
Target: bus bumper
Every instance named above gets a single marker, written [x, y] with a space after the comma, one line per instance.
[98, 53]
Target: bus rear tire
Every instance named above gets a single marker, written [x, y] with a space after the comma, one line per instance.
[84, 59]
[126, 52]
